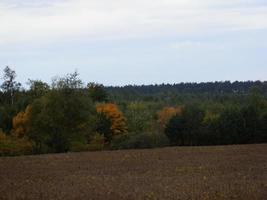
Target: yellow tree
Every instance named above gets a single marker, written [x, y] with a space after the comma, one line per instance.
[112, 112]
[21, 123]
[17, 143]
[166, 114]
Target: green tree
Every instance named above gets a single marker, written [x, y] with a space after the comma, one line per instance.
[7, 112]
[263, 128]
[38, 88]
[97, 92]
[61, 116]
[175, 130]
[139, 117]
[184, 128]
[231, 125]
[10, 86]
[103, 126]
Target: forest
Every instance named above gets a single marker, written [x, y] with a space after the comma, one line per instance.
[68, 115]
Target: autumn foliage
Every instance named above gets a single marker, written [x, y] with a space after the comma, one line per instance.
[21, 123]
[112, 112]
[12, 146]
[17, 143]
[67, 115]
[166, 114]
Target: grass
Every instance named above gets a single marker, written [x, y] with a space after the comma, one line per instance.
[222, 172]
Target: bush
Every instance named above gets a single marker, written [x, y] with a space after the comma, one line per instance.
[97, 143]
[78, 146]
[139, 141]
[14, 147]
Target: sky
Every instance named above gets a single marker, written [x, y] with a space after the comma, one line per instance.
[120, 42]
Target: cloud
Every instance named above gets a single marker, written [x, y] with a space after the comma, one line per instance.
[45, 20]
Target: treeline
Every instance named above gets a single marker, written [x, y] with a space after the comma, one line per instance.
[187, 91]
[69, 115]
[66, 115]
[233, 125]
[223, 87]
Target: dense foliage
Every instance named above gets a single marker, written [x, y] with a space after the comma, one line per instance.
[68, 115]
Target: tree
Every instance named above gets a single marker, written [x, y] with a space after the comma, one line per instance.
[175, 130]
[7, 113]
[118, 121]
[21, 123]
[209, 134]
[97, 92]
[68, 82]
[263, 128]
[103, 126]
[139, 117]
[61, 117]
[185, 128]
[231, 125]
[251, 124]
[9, 85]
[166, 114]
[38, 88]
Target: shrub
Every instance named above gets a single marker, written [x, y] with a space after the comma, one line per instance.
[139, 141]
[97, 143]
[78, 146]
[10, 146]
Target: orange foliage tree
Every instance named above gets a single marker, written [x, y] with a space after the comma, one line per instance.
[112, 112]
[21, 123]
[17, 143]
[166, 114]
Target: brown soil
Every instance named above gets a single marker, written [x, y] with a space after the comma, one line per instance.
[223, 172]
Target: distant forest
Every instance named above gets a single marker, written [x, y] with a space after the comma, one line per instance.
[70, 115]
[209, 89]
[226, 87]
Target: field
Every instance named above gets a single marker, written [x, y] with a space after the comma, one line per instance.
[223, 172]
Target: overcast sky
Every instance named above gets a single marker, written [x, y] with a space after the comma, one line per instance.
[118, 42]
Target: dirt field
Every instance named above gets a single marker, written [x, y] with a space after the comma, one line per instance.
[226, 172]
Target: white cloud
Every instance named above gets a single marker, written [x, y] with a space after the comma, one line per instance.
[29, 21]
